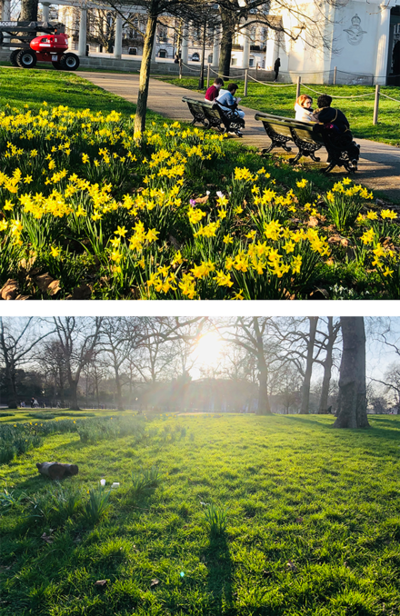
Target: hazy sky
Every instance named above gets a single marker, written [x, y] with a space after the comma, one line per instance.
[379, 355]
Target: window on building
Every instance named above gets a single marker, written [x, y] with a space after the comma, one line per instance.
[162, 53]
[233, 61]
[210, 58]
[132, 51]
[195, 57]
[251, 62]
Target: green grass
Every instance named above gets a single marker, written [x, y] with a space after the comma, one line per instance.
[312, 522]
[359, 111]
[33, 86]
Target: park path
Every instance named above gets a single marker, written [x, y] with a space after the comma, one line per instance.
[379, 166]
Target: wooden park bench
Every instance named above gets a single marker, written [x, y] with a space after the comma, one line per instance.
[281, 130]
[211, 115]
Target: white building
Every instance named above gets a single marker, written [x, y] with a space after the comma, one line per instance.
[360, 37]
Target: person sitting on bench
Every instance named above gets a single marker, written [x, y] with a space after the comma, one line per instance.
[229, 103]
[213, 91]
[303, 108]
[335, 130]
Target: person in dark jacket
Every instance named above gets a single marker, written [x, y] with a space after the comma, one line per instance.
[396, 59]
[335, 130]
[277, 66]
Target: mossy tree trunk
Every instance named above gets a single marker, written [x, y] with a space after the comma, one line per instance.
[352, 399]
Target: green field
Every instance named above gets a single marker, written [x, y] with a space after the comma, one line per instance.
[312, 518]
[359, 111]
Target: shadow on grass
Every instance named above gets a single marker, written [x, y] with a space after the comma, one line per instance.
[219, 565]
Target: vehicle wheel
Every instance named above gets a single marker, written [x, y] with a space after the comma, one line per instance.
[13, 57]
[56, 64]
[26, 58]
[69, 62]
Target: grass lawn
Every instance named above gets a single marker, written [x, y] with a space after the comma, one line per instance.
[359, 111]
[90, 211]
[312, 519]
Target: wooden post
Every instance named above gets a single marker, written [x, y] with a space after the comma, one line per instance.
[180, 68]
[298, 87]
[208, 75]
[246, 76]
[334, 75]
[376, 105]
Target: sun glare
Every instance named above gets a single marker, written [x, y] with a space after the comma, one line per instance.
[208, 349]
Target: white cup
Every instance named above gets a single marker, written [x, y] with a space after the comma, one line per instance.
[102, 482]
[115, 484]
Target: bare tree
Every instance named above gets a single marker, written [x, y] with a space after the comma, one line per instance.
[328, 344]
[78, 339]
[251, 334]
[352, 400]
[18, 339]
[52, 358]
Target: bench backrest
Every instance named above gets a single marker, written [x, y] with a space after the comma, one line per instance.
[282, 128]
[285, 126]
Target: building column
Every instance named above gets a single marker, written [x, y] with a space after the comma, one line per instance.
[82, 33]
[270, 54]
[6, 15]
[118, 37]
[185, 45]
[215, 53]
[45, 11]
[382, 46]
[246, 48]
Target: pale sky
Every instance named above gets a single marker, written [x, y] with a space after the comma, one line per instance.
[379, 356]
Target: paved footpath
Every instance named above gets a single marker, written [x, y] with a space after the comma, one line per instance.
[379, 166]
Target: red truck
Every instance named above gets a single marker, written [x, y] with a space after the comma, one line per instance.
[50, 46]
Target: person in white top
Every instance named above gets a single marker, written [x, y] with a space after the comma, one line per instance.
[303, 108]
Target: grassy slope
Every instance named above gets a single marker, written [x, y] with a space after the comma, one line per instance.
[327, 501]
[280, 100]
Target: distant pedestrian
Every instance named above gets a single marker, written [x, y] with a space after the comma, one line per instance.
[32, 402]
[396, 58]
[277, 66]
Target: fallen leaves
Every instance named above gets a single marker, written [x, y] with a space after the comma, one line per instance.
[101, 583]
[82, 292]
[10, 289]
[47, 538]
[47, 284]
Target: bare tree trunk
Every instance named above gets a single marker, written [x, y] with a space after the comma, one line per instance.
[323, 402]
[305, 397]
[352, 400]
[120, 406]
[228, 29]
[12, 398]
[29, 10]
[74, 406]
[141, 106]
[263, 400]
